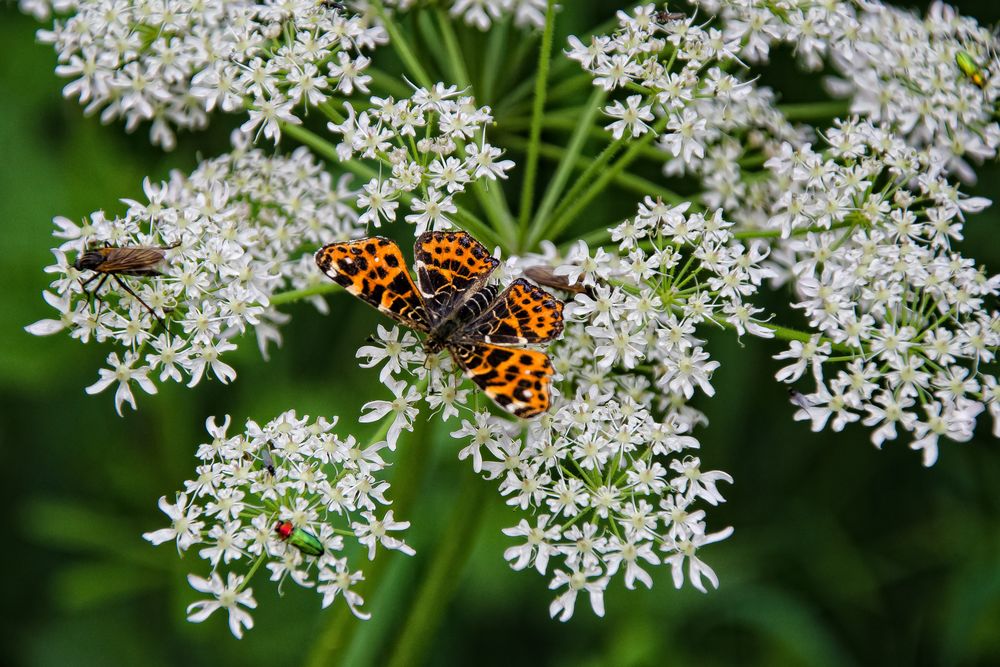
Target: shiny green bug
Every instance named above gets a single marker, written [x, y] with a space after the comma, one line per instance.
[300, 538]
[970, 68]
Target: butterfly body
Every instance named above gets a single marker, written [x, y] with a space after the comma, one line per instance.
[457, 310]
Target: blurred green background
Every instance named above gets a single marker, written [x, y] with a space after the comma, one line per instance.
[842, 554]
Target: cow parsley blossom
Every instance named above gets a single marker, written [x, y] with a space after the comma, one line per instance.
[482, 14]
[287, 495]
[606, 477]
[908, 328]
[712, 124]
[172, 62]
[429, 148]
[894, 67]
[241, 227]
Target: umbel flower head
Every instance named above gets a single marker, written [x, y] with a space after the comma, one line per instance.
[606, 476]
[238, 228]
[429, 148]
[908, 328]
[895, 68]
[171, 63]
[290, 495]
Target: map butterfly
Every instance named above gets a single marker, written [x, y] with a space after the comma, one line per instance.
[482, 327]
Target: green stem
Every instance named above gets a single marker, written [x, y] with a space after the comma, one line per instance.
[455, 546]
[388, 82]
[787, 333]
[538, 110]
[333, 641]
[577, 204]
[495, 46]
[815, 110]
[775, 233]
[568, 160]
[627, 180]
[455, 60]
[402, 47]
[299, 294]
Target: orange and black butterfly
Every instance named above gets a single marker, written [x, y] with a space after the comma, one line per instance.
[479, 325]
[112, 262]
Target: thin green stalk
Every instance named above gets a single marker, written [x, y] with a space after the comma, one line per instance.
[438, 585]
[463, 218]
[787, 333]
[402, 47]
[333, 641]
[815, 110]
[627, 180]
[298, 294]
[541, 81]
[577, 204]
[455, 59]
[496, 44]
[568, 160]
[775, 233]
[388, 82]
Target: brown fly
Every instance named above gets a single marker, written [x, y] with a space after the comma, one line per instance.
[545, 275]
[113, 262]
[663, 16]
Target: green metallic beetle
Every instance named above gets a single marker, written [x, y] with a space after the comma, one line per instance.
[300, 538]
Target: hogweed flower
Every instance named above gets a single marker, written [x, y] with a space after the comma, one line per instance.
[288, 495]
[907, 328]
[243, 226]
[172, 63]
[429, 147]
[894, 67]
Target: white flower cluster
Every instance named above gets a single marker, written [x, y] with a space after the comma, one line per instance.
[285, 494]
[715, 126]
[432, 146]
[606, 473]
[895, 67]
[172, 62]
[482, 14]
[239, 228]
[910, 328]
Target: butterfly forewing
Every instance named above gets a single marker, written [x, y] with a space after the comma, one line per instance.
[522, 314]
[518, 380]
[373, 270]
[451, 268]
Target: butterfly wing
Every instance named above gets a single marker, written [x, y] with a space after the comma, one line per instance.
[451, 268]
[373, 270]
[517, 380]
[523, 314]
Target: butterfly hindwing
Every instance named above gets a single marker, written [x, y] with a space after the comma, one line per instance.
[373, 270]
[523, 314]
[517, 380]
[451, 267]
